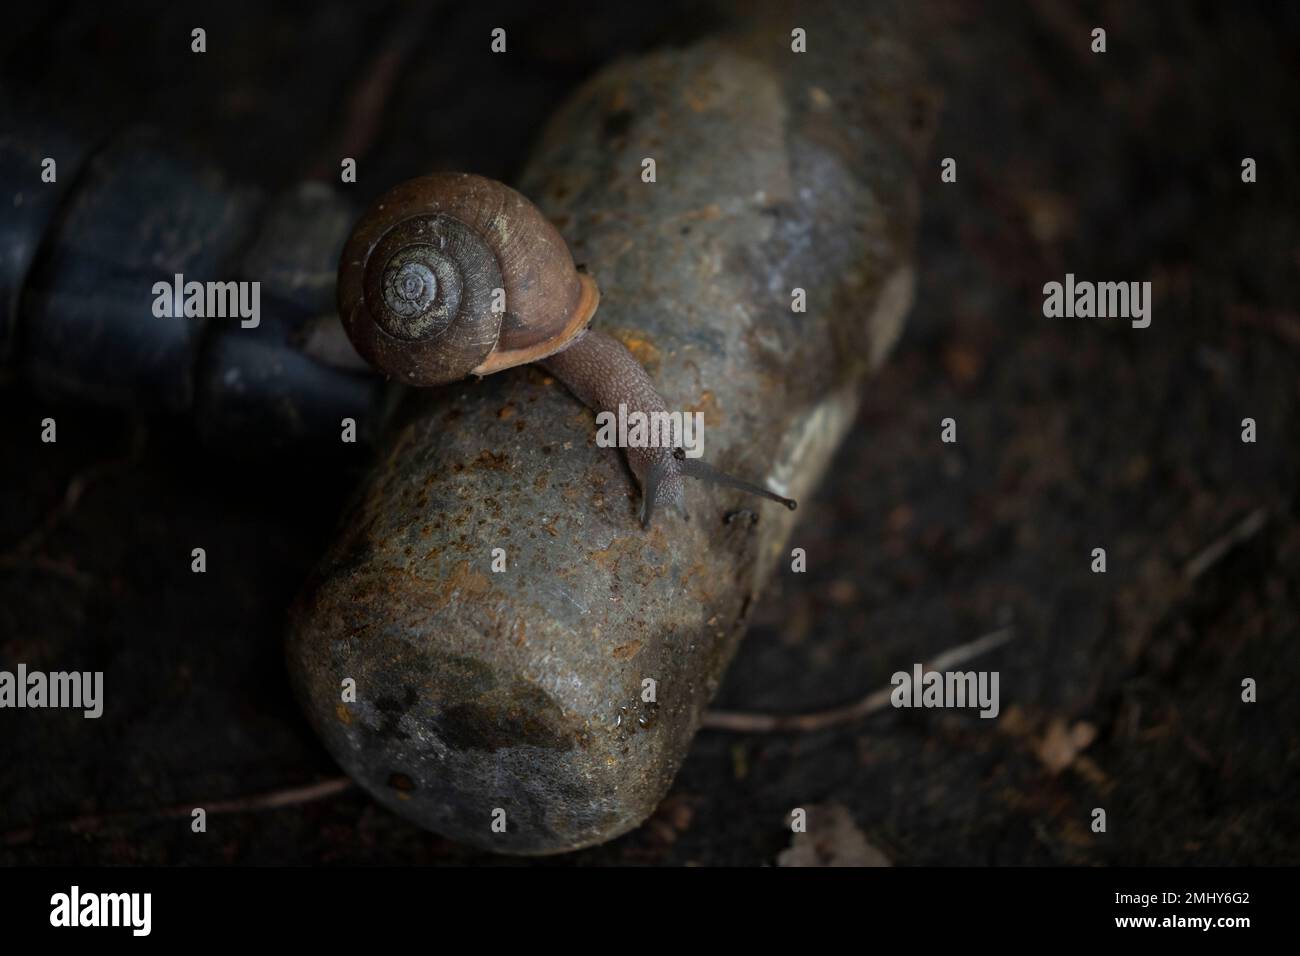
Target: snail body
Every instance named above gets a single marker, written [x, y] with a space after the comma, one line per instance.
[451, 275]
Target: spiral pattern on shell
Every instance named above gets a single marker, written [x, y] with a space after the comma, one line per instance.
[451, 275]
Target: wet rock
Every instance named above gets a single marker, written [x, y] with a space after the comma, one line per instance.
[547, 706]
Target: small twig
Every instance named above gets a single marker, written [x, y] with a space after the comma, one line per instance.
[23, 556]
[877, 700]
[373, 89]
[47, 565]
[72, 495]
[1245, 529]
[1285, 325]
[272, 800]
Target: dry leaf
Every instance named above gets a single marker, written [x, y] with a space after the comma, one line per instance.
[1060, 746]
[832, 839]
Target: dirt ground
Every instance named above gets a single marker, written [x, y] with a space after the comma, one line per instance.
[1119, 690]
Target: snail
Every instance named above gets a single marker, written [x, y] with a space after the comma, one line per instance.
[452, 274]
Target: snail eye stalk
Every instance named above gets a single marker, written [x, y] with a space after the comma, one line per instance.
[698, 468]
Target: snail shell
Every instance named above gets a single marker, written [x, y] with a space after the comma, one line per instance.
[419, 274]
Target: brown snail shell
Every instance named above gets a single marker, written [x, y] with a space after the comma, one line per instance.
[418, 276]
